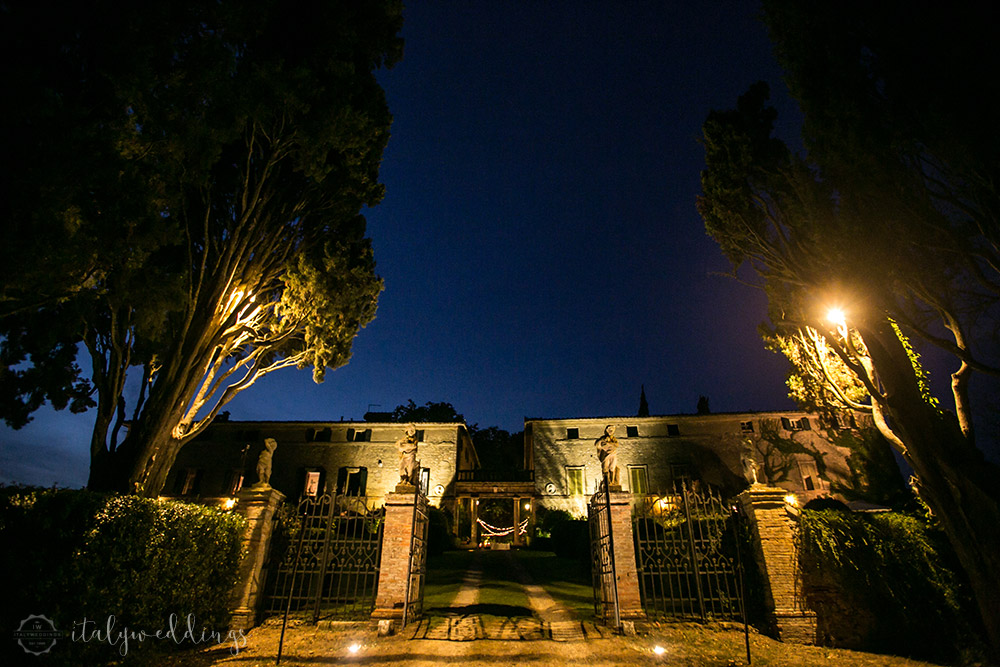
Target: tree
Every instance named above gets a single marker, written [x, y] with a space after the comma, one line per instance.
[703, 406]
[499, 449]
[217, 237]
[892, 215]
[429, 412]
[643, 405]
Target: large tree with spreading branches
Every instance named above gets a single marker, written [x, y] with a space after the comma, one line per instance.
[891, 215]
[187, 206]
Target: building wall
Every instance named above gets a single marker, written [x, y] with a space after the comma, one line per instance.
[228, 449]
[705, 447]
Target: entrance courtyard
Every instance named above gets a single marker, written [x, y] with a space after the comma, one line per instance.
[518, 607]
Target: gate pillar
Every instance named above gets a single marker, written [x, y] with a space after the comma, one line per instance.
[257, 505]
[772, 531]
[627, 578]
[394, 579]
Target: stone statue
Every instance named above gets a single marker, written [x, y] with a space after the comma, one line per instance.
[407, 446]
[264, 463]
[749, 464]
[607, 453]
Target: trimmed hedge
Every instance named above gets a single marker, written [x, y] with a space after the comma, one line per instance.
[75, 554]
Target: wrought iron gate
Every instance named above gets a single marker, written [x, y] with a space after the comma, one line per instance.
[602, 557]
[327, 565]
[687, 557]
[414, 606]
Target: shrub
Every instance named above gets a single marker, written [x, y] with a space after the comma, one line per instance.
[72, 555]
[888, 568]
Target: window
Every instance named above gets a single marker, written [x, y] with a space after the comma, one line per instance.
[359, 435]
[234, 482]
[424, 480]
[637, 479]
[810, 475]
[574, 481]
[631, 431]
[352, 481]
[311, 484]
[673, 429]
[679, 474]
[319, 434]
[187, 482]
[746, 427]
[801, 424]
[419, 434]
[572, 434]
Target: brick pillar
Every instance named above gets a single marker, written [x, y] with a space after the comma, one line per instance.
[629, 602]
[394, 569]
[258, 506]
[772, 529]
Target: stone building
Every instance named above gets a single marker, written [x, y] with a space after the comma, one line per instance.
[357, 458]
[560, 468]
[791, 450]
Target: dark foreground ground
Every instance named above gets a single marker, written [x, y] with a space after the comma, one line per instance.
[685, 645]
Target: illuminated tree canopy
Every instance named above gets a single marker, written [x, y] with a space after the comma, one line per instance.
[892, 215]
[209, 163]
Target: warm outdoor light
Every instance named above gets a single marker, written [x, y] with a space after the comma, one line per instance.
[229, 503]
[659, 650]
[790, 499]
[837, 316]
[354, 648]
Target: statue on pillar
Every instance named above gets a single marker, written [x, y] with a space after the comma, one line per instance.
[407, 446]
[607, 453]
[264, 464]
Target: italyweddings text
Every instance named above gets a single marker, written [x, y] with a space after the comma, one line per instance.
[124, 637]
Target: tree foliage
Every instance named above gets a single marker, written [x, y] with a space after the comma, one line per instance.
[209, 161]
[429, 412]
[891, 215]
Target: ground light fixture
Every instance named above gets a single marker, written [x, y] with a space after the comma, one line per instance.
[354, 648]
[659, 650]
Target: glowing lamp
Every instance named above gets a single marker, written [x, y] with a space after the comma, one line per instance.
[837, 316]
[659, 650]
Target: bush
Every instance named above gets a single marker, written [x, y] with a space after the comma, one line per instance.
[887, 569]
[439, 537]
[571, 539]
[71, 555]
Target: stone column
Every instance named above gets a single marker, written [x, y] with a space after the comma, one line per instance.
[629, 602]
[257, 505]
[394, 568]
[772, 529]
[517, 522]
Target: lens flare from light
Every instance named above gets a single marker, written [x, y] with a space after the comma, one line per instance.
[659, 650]
[354, 648]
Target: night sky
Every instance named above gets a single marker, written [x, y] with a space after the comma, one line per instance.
[539, 241]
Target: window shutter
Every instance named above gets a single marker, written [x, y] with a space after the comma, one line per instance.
[341, 480]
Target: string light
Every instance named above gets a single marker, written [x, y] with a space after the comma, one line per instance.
[493, 531]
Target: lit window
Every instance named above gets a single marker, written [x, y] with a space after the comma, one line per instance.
[424, 479]
[631, 431]
[574, 481]
[572, 434]
[637, 479]
[312, 483]
[746, 427]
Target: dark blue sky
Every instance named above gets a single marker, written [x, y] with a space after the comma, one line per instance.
[539, 240]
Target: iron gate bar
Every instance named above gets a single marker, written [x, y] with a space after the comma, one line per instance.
[685, 562]
[602, 563]
[611, 549]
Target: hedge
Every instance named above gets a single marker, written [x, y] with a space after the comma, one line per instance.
[75, 554]
[890, 568]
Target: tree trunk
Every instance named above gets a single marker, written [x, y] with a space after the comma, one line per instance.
[961, 488]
